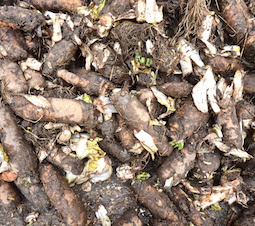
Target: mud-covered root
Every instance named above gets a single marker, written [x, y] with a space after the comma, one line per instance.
[176, 166]
[137, 118]
[12, 77]
[89, 82]
[236, 14]
[208, 161]
[9, 195]
[129, 218]
[228, 121]
[127, 138]
[35, 80]
[112, 147]
[249, 83]
[22, 158]
[245, 110]
[157, 202]
[222, 64]
[54, 60]
[240, 24]
[110, 144]
[13, 44]
[66, 162]
[247, 217]
[38, 108]
[176, 89]
[185, 121]
[185, 204]
[9, 198]
[60, 5]
[63, 197]
[25, 19]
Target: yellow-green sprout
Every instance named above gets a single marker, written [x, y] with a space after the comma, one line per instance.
[97, 9]
[178, 144]
[216, 206]
[217, 130]
[156, 122]
[143, 176]
[3, 160]
[86, 98]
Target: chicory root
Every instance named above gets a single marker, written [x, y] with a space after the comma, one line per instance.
[22, 158]
[66, 162]
[176, 166]
[89, 82]
[138, 119]
[184, 203]
[38, 108]
[176, 89]
[54, 60]
[25, 19]
[12, 77]
[157, 202]
[128, 218]
[13, 43]
[60, 5]
[63, 197]
[185, 121]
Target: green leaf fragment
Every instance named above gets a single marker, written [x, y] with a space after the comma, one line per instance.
[86, 98]
[178, 144]
[97, 9]
[143, 60]
[143, 176]
[217, 130]
[155, 122]
[101, 5]
[216, 206]
[195, 196]
[3, 154]
[149, 62]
